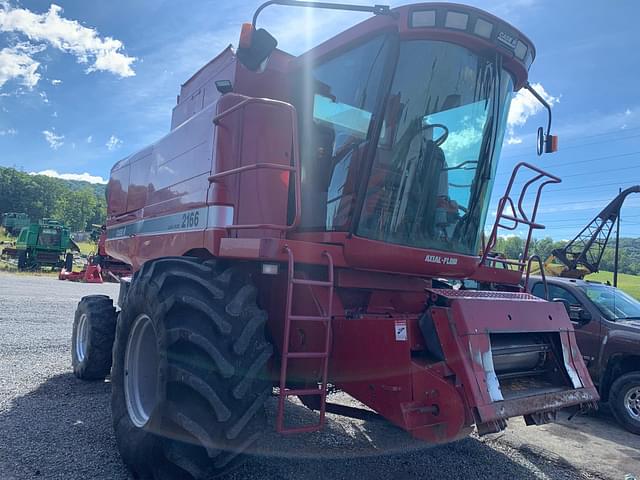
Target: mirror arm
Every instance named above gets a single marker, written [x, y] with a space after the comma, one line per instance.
[376, 9]
[543, 102]
[550, 142]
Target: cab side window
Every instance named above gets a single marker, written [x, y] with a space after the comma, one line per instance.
[555, 292]
[336, 105]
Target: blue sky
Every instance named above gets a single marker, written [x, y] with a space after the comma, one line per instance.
[82, 84]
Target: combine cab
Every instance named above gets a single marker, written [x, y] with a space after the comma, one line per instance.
[304, 224]
[43, 244]
[13, 223]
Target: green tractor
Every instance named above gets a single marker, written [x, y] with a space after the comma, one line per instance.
[13, 222]
[43, 244]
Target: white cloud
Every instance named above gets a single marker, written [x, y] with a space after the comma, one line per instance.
[113, 143]
[43, 96]
[56, 82]
[462, 139]
[15, 63]
[9, 132]
[85, 177]
[523, 106]
[101, 53]
[55, 141]
[90, 139]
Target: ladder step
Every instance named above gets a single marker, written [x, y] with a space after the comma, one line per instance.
[302, 391]
[324, 318]
[309, 318]
[318, 283]
[307, 355]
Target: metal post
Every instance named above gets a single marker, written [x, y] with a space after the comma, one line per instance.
[615, 260]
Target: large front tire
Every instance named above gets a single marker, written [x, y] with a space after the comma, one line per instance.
[94, 328]
[189, 375]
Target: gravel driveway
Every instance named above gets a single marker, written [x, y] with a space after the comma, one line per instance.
[53, 426]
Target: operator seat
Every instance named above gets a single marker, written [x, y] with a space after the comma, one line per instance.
[425, 193]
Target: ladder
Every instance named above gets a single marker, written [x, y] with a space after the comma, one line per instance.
[323, 356]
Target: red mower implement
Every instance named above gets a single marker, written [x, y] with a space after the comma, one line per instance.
[100, 267]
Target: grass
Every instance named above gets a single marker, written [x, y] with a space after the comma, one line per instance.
[626, 283]
[87, 248]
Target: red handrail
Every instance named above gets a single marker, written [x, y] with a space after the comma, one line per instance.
[294, 169]
[519, 216]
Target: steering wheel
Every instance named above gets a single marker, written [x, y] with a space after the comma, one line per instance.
[423, 127]
[442, 138]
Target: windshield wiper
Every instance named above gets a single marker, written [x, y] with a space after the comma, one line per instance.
[492, 88]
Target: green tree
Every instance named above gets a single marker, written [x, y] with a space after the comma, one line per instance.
[77, 204]
[76, 209]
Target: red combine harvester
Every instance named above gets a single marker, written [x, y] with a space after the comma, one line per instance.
[305, 224]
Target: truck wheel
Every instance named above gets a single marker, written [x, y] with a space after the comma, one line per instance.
[189, 378]
[94, 328]
[624, 398]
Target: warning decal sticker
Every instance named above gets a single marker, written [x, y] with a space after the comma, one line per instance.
[401, 330]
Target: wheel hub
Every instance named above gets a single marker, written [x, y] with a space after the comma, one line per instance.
[141, 370]
[632, 402]
[82, 337]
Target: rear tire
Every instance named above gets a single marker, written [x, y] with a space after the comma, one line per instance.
[209, 356]
[22, 260]
[624, 399]
[94, 329]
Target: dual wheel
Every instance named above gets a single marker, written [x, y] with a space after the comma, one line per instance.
[189, 377]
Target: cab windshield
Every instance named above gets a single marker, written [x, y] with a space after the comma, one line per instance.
[434, 168]
[49, 237]
[613, 303]
[436, 135]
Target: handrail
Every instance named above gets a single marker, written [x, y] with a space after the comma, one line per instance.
[518, 215]
[544, 276]
[254, 166]
[294, 168]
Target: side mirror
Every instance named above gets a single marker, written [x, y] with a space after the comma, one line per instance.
[584, 315]
[540, 141]
[255, 47]
[546, 143]
[576, 312]
[567, 305]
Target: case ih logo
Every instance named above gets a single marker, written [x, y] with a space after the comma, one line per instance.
[508, 40]
[441, 260]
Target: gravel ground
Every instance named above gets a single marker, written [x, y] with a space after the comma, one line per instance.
[56, 427]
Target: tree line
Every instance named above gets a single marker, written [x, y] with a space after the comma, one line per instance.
[629, 259]
[78, 205]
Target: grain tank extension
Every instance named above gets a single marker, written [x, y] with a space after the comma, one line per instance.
[307, 222]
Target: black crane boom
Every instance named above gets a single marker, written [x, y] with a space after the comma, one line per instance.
[587, 248]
